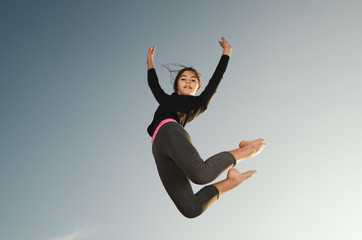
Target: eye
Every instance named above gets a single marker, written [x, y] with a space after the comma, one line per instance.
[194, 80]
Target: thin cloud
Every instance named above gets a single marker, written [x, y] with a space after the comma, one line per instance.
[78, 233]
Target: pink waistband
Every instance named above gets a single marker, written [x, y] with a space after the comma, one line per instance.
[160, 125]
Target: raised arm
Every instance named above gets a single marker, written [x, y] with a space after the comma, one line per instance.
[152, 78]
[211, 87]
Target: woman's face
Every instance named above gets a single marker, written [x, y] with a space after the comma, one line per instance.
[188, 84]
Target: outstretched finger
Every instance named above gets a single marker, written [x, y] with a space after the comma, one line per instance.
[151, 51]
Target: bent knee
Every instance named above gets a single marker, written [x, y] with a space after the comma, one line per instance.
[190, 210]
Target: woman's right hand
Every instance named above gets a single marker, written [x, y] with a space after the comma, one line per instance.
[151, 53]
[226, 47]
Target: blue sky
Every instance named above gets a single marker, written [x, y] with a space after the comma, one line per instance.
[75, 157]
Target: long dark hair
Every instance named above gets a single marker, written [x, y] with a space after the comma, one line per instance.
[179, 73]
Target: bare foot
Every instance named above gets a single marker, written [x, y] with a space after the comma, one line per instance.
[234, 179]
[258, 145]
[238, 178]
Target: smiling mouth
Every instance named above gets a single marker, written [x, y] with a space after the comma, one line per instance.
[188, 87]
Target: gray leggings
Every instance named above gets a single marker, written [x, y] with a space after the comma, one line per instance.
[178, 162]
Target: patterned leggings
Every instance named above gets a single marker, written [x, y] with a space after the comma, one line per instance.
[178, 162]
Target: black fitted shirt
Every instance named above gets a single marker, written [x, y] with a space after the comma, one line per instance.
[183, 108]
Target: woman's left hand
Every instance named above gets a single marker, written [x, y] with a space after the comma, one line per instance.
[226, 46]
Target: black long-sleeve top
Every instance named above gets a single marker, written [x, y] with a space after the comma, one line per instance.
[183, 108]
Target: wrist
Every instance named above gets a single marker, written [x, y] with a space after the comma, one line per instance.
[150, 65]
[227, 51]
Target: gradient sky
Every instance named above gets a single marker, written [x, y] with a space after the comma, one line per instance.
[76, 160]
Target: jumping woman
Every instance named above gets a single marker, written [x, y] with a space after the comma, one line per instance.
[176, 158]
